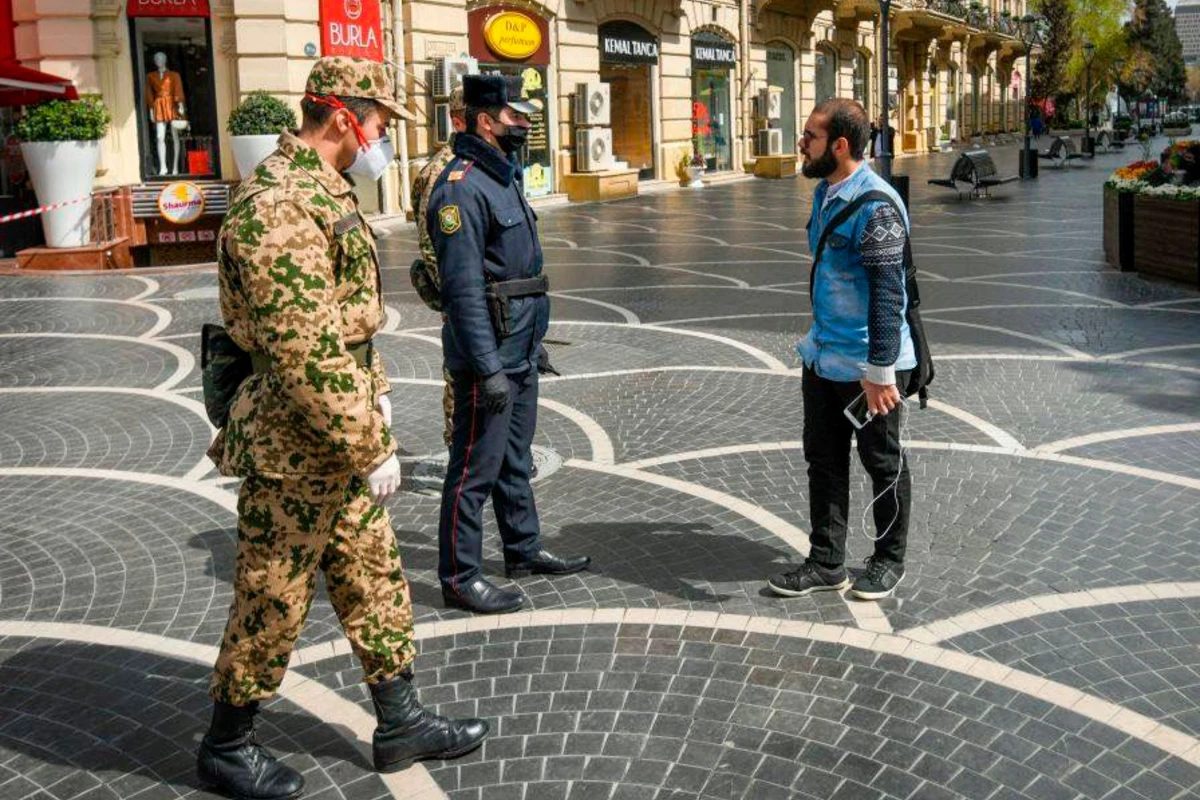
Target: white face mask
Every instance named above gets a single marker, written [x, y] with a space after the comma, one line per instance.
[373, 161]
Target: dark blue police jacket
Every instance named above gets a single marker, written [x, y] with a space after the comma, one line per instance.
[484, 231]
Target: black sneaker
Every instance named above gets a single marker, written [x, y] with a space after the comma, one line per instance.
[807, 578]
[879, 579]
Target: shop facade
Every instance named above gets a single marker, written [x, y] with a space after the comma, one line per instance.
[682, 78]
[170, 72]
[629, 65]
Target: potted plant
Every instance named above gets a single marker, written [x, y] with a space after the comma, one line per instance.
[945, 143]
[1119, 191]
[60, 142]
[255, 126]
[690, 168]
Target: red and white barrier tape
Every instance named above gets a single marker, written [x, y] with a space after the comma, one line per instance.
[33, 212]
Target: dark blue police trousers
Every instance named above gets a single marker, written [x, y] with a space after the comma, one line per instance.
[489, 456]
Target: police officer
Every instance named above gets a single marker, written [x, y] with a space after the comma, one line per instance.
[493, 294]
[309, 431]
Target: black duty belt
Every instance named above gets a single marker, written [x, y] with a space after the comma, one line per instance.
[363, 354]
[521, 287]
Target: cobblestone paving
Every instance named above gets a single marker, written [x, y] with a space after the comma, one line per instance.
[1045, 643]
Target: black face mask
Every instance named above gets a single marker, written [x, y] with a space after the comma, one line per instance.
[513, 138]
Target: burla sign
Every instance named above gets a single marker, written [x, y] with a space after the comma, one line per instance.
[351, 28]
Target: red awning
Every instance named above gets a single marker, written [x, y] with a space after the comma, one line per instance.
[168, 8]
[22, 86]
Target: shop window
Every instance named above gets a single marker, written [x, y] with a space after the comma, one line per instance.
[781, 72]
[826, 74]
[176, 97]
[535, 156]
[712, 94]
[628, 53]
[862, 80]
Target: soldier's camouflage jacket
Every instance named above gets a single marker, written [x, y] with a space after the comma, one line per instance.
[299, 281]
[422, 189]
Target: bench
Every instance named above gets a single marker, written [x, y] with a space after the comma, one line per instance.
[977, 169]
[1061, 153]
[1106, 140]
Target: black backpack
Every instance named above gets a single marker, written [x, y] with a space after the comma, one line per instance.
[922, 374]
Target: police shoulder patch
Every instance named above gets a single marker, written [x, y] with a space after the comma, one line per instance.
[449, 220]
[455, 175]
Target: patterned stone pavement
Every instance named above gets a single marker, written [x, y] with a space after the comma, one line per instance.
[1045, 644]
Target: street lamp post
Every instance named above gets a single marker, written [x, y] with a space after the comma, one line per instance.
[1029, 37]
[1089, 53]
[884, 156]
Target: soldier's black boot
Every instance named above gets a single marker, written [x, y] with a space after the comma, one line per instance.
[408, 733]
[233, 762]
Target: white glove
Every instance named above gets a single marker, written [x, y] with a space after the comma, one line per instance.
[385, 480]
[385, 408]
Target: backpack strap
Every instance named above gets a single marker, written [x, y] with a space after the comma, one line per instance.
[843, 215]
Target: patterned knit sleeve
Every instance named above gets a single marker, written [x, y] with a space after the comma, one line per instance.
[882, 248]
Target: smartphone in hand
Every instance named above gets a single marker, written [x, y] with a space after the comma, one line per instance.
[858, 412]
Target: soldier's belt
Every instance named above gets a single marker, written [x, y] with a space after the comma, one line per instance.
[499, 293]
[363, 354]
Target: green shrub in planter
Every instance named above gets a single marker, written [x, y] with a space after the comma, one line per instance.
[261, 114]
[84, 120]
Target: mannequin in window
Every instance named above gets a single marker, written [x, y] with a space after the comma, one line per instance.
[164, 98]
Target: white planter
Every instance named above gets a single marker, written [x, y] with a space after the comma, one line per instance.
[694, 174]
[63, 171]
[249, 151]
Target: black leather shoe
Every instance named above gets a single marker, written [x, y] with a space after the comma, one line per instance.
[543, 562]
[408, 733]
[483, 597]
[233, 763]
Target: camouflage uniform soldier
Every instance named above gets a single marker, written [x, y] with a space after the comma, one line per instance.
[309, 432]
[424, 271]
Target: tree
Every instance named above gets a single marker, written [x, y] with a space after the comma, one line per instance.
[1098, 22]
[1150, 32]
[1049, 73]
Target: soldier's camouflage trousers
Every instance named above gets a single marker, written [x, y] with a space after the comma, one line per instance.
[287, 530]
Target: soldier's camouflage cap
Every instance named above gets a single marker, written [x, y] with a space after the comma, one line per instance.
[457, 104]
[355, 77]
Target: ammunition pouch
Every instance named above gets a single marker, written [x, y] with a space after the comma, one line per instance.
[225, 367]
[424, 279]
[498, 294]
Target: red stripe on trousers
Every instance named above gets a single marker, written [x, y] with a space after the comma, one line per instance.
[461, 483]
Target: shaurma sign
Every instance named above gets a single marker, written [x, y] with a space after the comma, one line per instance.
[351, 28]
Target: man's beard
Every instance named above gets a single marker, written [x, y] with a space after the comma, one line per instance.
[823, 167]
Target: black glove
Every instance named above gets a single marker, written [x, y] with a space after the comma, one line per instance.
[495, 392]
[543, 362]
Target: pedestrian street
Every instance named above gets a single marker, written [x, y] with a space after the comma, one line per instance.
[1045, 642]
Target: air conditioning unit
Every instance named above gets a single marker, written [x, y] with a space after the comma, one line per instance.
[770, 103]
[448, 73]
[593, 149]
[770, 142]
[441, 118]
[592, 104]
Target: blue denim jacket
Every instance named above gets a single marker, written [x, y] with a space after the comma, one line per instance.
[836, 345]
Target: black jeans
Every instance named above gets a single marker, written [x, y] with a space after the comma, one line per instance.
[827, 435]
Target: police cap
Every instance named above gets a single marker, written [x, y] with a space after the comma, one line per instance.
[491, 91]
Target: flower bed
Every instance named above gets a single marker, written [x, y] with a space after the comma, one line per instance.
[1152, 215]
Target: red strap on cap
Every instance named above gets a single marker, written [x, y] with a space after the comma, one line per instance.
[333, 102]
